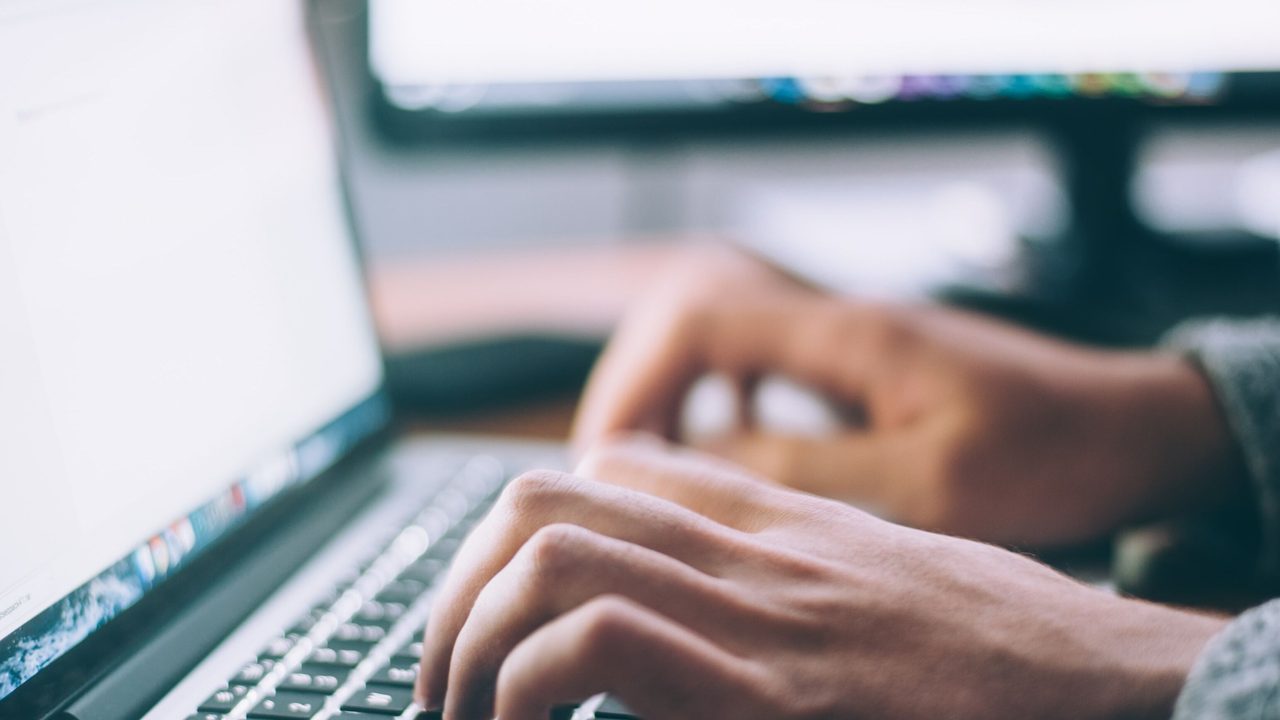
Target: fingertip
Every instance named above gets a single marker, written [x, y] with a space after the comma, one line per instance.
[421, 692]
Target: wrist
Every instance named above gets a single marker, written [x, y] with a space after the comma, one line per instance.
[1187, 460]
[1145, 655]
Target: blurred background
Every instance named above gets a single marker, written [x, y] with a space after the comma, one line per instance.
[520, 170]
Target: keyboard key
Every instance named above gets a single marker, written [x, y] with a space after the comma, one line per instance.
[339, 658]
[404, 590]
[356, 646]
[335, 670]
[301, 694]
[252, 674]
[312, 682]
[352, 632]
[278, 648]
[453, 503]
[223, 700]
[444, 548]
[376, 613]
[361, 716]
[288, 706]
[308, 621]
[381, 699]
[401, 673]
[424, 571]
[411, 651]
[327, 600]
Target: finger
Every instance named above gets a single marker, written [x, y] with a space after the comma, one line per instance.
[645, 373]
[657, 667]
[561, 568]
[535, 500]
[706, 485]
[641, 379]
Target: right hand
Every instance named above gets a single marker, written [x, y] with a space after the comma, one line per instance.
[690, 589]
[966, 425]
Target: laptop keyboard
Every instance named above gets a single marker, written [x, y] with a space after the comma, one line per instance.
[354, 655]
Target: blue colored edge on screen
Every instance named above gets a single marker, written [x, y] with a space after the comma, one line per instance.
[63, 625]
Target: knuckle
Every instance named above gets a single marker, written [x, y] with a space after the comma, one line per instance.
[684, 315]
[555, 550]
[883, 326]
[699, 285]
[701, 267]
[607, 621]
[510, 685]
[531, 491]
[464, 662]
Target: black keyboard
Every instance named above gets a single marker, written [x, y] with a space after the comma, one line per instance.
[354, 655]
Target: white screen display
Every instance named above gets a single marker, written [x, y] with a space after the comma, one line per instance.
[424, 42]
[179, 296]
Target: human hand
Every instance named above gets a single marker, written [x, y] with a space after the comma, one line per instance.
[965, 425]
[692, 590]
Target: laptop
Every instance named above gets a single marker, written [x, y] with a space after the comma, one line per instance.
[204, 511]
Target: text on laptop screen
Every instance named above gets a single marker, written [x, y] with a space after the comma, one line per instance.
[181, 315]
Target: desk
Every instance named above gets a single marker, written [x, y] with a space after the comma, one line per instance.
[446, 300]
[580, 290]
[549, 420]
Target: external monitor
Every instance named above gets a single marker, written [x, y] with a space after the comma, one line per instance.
[455, 64]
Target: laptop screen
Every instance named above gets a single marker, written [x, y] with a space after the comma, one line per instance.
[182, 322]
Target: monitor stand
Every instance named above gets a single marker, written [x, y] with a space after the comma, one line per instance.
[1111, 278]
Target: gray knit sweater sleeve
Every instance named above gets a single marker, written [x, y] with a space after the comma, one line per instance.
[1238, 674]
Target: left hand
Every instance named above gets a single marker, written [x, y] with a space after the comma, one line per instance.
[962, 424]
[692, 590]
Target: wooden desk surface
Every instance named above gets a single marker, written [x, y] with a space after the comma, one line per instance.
[580, 290]
[549, 420]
